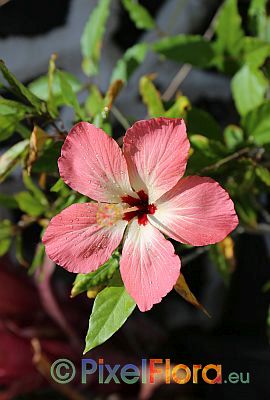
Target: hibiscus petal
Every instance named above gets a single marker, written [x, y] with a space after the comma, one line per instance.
[156, 151]
[77, 242]
[92, 163]
[149, 267]
[197, 211]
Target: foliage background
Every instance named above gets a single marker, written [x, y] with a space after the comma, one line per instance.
[207, 62]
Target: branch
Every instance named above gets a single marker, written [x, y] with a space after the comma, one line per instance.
[225, 160]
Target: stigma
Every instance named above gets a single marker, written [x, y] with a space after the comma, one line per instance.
[140, 208]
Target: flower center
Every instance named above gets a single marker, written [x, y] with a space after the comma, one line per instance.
[141, 208]
[108, 214]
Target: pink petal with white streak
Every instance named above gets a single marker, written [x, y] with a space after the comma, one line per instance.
[149, 267]
[156, 151]
[197, 211]
[74, 239]
[92, 163]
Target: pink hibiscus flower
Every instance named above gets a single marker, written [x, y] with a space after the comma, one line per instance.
[140, 195]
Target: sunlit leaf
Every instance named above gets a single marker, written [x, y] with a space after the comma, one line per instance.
[249, 88]
[91, 41]
[139, 15]
[263, 173]
[151, 97]
[255, 51]
[130, 61]
[101, 276]
[94, 102]
[69, 96]
[179, 109]
[259, 19]
[112, 306]
[58, 186]
[40, 86]
[29, 204]
[6, 233]
[257, 124]
[233, 136]
[229, 30]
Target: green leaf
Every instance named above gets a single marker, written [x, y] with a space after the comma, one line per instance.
[40, 86]
[11, 113]
[91, 41]
[13, 107]
[94, 102]
[249, 88]
[229, 30]
[131, 60]
[263, 173]
[202, 123]
[47, 162]
[179, 109]
[36, 192]
[19, 246]
[233, 136]
[258, 15]
[69, 96]
[4, 246]
[29, 204]
[58, 186]
[38, 258]
[210, 148]
[257, 6]
[12, 157]
[6, 233]
[102, 275]
[21, 90]
[151, 97]
[255, 52]
[139, 15]
[112, 307]
[257, 124]
[8, 201]
[206, 152]
[245, 210]
[191, 49]
[8, 124]
[266, 288]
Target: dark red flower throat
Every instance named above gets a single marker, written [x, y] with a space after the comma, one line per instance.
[143, 208]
